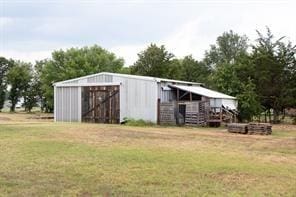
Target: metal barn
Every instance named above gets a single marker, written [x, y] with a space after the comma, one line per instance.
[110, 97]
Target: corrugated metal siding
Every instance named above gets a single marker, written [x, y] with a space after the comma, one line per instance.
[216, 102]
[100, 78]
[72, 82]
[229, 103]
[138, 98]
[68, 105]
[166, 96]
[93, 79]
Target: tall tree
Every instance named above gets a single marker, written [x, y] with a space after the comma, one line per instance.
[154, 61]
[229, 47]
[193, 70]
[233, 71]
[39, 91]
[274, 63]
[75, 62]
[18, 77]
[4, 67]
[227, 80]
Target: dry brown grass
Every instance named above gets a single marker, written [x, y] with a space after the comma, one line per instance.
[90, 159]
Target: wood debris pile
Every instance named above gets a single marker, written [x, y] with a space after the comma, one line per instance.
[237, 128]
[259, 129]
[251, 128]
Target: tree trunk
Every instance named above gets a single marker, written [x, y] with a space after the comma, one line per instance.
[265, 117]
[12, 107]
[284, 115]
[275, 116]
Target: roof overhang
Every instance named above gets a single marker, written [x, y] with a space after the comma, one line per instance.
[203, 91]
[147, 78]
[85, 84]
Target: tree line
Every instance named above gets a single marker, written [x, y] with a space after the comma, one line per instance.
[261, 75]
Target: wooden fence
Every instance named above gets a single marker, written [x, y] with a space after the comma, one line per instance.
[196, 113]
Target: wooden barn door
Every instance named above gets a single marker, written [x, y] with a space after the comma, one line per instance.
[101, 104]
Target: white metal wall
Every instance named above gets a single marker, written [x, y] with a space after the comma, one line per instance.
[230, 103]
[67, 104]
[138, 98]
[100, 78]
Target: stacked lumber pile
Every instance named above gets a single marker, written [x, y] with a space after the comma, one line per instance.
[251, 128]
[237, 128]
[259, 128]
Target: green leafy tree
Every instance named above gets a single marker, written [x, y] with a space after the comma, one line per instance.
[39, 91]
[125, 70]
[229, 47]
[174, 70]
[75, 62]
[193, 70]
[227, 80]
[248, 103]
[154, 61]
[4, 67]
[33, 92]
[233, 72]
[30, 95]
[18, 77]
[274, 63]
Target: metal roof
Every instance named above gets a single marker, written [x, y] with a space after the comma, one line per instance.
[203, 91]
[130, 76]
[86, 84]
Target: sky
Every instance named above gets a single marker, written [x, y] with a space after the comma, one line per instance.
[32, 29]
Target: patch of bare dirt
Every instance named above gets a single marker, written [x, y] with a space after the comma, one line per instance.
[4, 119]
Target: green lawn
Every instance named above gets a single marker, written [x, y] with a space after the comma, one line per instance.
[62, 159]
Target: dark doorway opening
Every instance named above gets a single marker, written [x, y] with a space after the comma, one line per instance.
[181, 114]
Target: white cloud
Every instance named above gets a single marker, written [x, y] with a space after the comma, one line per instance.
[5, 21]
[128, 52]
[197, 31]
[195, 36]
[29, 56]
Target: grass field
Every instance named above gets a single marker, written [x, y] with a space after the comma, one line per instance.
[42, 158]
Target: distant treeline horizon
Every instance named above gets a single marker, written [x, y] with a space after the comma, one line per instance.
[262, 75]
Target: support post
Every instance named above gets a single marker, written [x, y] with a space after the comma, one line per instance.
[158, 111]
[110, 108]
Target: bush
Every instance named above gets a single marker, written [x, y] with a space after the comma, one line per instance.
[139, 122]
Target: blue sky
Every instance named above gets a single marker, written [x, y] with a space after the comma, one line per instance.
[30, 30]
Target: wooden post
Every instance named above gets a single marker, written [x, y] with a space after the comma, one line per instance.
[177, 107]
[158, 111]
[94, 104]
[110, 108]
[190, 96]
